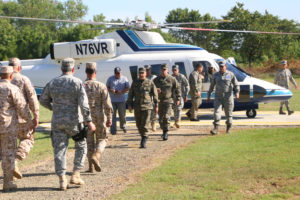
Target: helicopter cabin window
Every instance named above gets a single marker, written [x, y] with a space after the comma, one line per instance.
[181, 68]
[155, 69]
[134, 72]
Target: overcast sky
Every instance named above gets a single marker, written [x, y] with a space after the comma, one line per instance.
[159, 9]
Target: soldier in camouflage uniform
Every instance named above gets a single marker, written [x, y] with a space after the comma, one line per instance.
[12, 105]
[26, 138]
[151, 77]
[168, 91]
[226, 83]
[66, 97]
[195, 80]
[185, 88]
[101, 111]
[142, 95]
[283, 78]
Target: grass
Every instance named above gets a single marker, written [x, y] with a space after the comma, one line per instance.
[250, 164]
[45, 114]
[294, 102]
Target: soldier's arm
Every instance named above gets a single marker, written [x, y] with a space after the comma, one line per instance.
[292, 80]
[131, 95]
[192, 81]
[186, 85]
[127, 86]
[45, 98]
[84, 103]
[177, 89]
[32, 98]
[20, 105]
[211, 87]
[154, 93]
[106, 102]
[236, 86]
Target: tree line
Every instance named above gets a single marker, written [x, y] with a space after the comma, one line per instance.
[31, 39]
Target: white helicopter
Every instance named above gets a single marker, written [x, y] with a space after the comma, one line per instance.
[131, 49]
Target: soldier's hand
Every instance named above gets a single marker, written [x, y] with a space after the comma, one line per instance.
[130, 109]
[198, 94]
[108, 123]
[177, 102]
[156, 109]
[158, 90]
[237, 95]
[91, 126]
[35, 122]
[185, 99]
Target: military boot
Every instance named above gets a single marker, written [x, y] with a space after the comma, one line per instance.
[95, 161]
[176, 124]
[91, 167]
[165, 135]
[63, 182]
[290, 112]
[16, 172]
[75, 178]
[8, 185]
[215, 131]
[281, 111]
[153, 126]
[143, 142]
[228, 127]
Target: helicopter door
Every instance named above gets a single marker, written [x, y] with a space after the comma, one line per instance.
[207, 75]
[133, 72]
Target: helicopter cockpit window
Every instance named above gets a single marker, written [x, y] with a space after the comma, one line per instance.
[133, 72]
[181, 68]
[205, 72]
[238, 73]
[155, 69]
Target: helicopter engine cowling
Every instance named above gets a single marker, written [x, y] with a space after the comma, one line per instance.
[84, 49]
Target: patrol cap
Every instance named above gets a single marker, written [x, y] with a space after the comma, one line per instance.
[67, 64]
[91, 65]
[15, 62]
[147, 67]
[142, 70]
[6, 70]
[284, 62]
[198, 65]
[222, 63]
[117, 70]
[175, 67]
[164, 66]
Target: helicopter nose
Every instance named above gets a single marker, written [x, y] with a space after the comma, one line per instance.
[280, 94]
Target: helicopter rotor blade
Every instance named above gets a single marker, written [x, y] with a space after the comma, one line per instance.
[204, 22]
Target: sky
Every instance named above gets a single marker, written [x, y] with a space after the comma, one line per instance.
[159, 9]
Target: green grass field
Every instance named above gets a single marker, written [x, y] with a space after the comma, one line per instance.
[250, 164]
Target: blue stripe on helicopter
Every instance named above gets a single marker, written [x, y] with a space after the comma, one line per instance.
[279, 92]
[137, 44]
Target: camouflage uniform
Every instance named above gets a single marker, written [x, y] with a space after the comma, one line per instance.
[101, 110]
[282, 78]
[170, 91]
[24, 135]
[185, 88]
[143, 95]
[225, 84]
[12, 105]
[196, 86]
[153, 116]
[66, 97]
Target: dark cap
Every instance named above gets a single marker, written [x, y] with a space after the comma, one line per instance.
[164, 66]
[147, 66]
[198, 65]
[175, 67]
[117, 70]
[142, 70]
[222, 63]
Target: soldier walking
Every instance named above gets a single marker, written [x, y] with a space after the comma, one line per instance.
[185, 88]
[168, 91]
[195, 80]
[142, 95]
[283, 78]
[101, 111]
[226, 83]
[13, 105]
[25, 136]
[65, 95]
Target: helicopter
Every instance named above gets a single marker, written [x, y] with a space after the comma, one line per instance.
[138, 46]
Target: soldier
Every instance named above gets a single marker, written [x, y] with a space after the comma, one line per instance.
[13, 105]
[151, 77]
[143, 95]
[26, 138]
[168, 91]
[117, 86]
[66, 97]
[282, 78]
[101, 111]
[195, 80]
[185, 88]
[226, 83]
[209, 75]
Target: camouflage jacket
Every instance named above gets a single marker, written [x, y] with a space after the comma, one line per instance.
[283, 78]
[169, 89]
[183, 84]
[195, 83]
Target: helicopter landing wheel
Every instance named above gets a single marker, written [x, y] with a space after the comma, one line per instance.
[251, 113]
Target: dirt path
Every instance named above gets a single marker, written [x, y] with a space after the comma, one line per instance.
[122, 164]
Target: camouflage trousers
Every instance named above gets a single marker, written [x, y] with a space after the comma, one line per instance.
[153, 116]
[26, 139]
[287, 105]
[142, 119]
[96, 141]
[228, 105]
[60, 143]
[196, 102]
[177, 109]
[8, 145]
[164, 113]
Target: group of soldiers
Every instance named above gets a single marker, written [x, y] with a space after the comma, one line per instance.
[76, 105]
